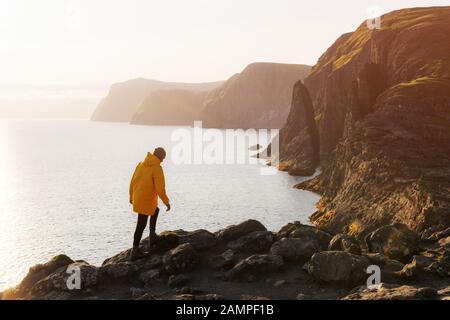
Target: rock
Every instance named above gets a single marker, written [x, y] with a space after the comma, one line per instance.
[199, 239]
[92, 298]
[395, 241]
[41, 271]
[299, 138]
[210, 296]
[344, 242]
[167, 241]
[392, 265]
[409, 271]
[389, 267]
[146, 296]
[58, 281]
[253, 298]
[306, 233]
[444, 241]
[181, 259]
[376, 258]
[178, 280]
[440, 234]
[148, 277]
[422, 262]
[419, 264]
[392, 292]
[184, 297]
[152, 262]
[255, 242]
[236, 231]
[441, 263]
[189, 290]
[137, 292]
[279, 283]
[339, 267]
[444, 292]
[255, 266]
[119, 270]
[224, 261]
[294, 249]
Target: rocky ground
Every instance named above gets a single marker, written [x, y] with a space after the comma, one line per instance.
[248, 262]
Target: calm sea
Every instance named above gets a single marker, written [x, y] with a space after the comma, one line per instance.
[64, 189]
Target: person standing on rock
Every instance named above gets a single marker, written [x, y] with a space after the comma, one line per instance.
[147, 184]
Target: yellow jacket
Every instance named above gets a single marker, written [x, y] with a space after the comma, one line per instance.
[146, 185]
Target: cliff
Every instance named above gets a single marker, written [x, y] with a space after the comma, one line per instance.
[381, 103]
[170, 107]
[125, 98]
[299, 138]
[258, 97]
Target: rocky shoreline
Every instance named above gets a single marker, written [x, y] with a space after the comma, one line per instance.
[248, 262]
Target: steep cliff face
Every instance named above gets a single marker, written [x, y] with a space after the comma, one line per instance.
[412, 43]
[299, 139]
[382, 105]
[258, 97]
[394, 167]
[170, 108]
[125, 98]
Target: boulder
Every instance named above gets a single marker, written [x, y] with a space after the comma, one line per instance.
[199, 239]
[255, 266]
[344, 242]
[255, 242]
[58, 281]
[444, 242]
[136, 293]
[183, 297]
[41, 271]
[150, 276]
[236, 231]
[339, 267]
[223, 261]
[149, 262]
[440, 234]
[181, 259]
[179, 280]
[392, 292]
[119, 270]
[306, 233]
[294, 249]
[253, 298]
[395, 241]
[209, 296]
[167, 241]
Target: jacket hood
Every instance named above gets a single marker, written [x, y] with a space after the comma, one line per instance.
[151, 160]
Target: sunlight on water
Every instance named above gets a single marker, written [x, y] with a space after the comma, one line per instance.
[64, 189]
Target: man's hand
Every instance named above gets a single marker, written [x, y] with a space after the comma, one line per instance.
[168, 207]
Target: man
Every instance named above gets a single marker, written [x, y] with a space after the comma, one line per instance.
[146, 186]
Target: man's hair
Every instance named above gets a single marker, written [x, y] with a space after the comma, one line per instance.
[160, 152]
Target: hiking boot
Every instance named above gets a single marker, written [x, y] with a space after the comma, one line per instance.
[136, 254]
[153, 239]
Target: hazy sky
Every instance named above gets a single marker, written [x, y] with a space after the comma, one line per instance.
[105, 41]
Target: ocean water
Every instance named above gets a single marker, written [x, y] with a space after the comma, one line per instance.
[64, 189]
